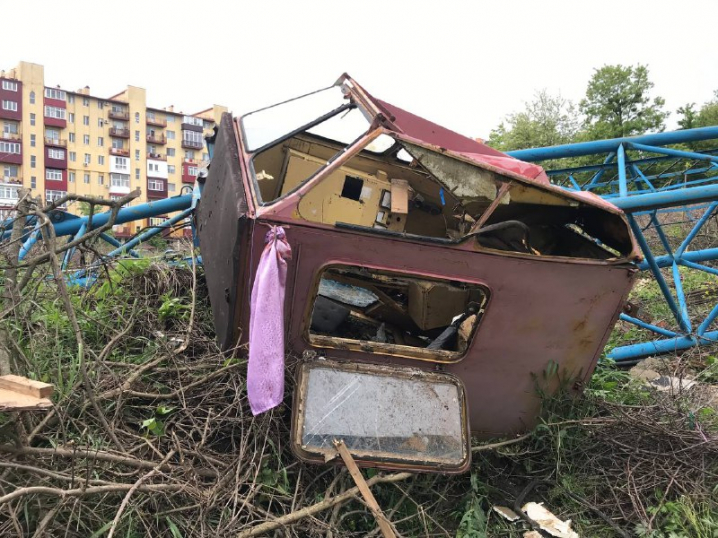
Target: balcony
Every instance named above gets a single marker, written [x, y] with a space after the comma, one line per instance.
[158, 122]
[157, 156]
[192, 144]
[57, 142]
[11, 136]
[120, 152]
[156, 139]
[119, 114]
[119, 133]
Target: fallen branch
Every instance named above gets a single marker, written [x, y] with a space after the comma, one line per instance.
[94, 490]
[265, 528]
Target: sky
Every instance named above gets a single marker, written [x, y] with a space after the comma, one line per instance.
[465, 65]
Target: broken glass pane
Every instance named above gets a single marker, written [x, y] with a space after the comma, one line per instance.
[269, 124]
[383, 414]
[389, 312]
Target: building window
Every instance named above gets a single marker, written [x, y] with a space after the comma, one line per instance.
[170, 168]
[9, 147]
[157, 221]
[170, 118]
[170, 135]
[100, 122]
[51, 196]
[86, 101]
[9, 105]
[100, 141]
[88, 158]
[205, 156]
[189, 155]
[191, 120]
[85, 120]
[193, 137]
[32, 97]
[170, 187]
[53, 175]
[193, 170]
[32, 118]
[71, 177]
[120, 180]
[8, 193]
[33, 140]
[86, 179]
[9, 128]
[10, 172]
[101, 159]
[72, 137]
[117, 143]
[120, 163]
[54, 153]
[52, 134]
[137, 154]
[100, 105]
[33, 182]
[155, 185]
[100, 179]
[54, 93]
[171, 152]
[70, 98]
[9, 85]
[55, 112]
[137, 173]
[33, 161]
[137, 117]
[73, 156]
[137, 136]
[86, 140]
[71, 117]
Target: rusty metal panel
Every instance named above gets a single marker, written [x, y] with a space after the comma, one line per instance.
[221, 221]
[562, 314]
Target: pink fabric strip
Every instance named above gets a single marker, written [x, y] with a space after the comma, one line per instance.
[265, 372]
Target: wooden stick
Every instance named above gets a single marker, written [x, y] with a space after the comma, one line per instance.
[264, 529]
[28, 387]
[381, 519]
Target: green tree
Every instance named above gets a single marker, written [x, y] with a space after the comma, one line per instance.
[706, 116]
[546, 121]
[618, 104]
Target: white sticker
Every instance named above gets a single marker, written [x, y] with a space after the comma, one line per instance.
[365, 192]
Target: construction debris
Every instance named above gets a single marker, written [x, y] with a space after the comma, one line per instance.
[19, 393]
[549, 522]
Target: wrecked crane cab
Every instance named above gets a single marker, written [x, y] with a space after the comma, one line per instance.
[414, 249]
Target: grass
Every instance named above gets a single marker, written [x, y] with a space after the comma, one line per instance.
[574, 460]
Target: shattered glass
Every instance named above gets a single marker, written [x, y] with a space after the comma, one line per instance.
[384, 414]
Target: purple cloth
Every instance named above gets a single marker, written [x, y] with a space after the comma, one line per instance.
[265, 373]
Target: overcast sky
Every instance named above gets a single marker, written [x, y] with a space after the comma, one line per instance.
[462, 64]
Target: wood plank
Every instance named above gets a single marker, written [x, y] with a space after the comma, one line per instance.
[14, 401]
[381, 519]
[399, 196]
[28, 387]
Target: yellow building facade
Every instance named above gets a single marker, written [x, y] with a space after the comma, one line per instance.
[55, 141]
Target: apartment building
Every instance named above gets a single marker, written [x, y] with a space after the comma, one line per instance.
[55, 141]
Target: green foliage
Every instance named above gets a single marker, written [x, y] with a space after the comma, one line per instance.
[618, 104]
[173, 308]
[154, 425]
[474, 522]
[680, 518]
[706, 116]
[546, 121]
